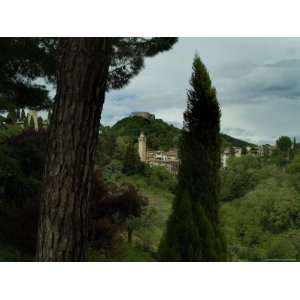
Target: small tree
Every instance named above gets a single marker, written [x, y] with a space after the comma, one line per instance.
[284, 145]
[132, 163]
[193, 232]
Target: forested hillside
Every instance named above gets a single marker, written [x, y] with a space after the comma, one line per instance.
[261, 208]
[160, 135]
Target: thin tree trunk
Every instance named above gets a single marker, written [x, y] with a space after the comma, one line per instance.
[72, 140]
[129, 236]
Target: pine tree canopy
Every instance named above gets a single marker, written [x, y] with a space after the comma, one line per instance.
[22, 62]
[25, 61]
[196, 202]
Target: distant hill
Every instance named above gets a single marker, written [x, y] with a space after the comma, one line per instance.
[231, 141]
[160, 135]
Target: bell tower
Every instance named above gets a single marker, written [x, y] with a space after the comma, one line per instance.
[142, 147]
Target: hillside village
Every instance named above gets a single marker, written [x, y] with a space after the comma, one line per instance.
[165, 158]
[169, 159]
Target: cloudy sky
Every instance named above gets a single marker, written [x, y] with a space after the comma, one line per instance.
[257, 79]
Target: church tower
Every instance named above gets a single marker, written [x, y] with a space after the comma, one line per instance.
[142, 147]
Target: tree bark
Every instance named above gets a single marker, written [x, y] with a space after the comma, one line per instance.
[72, 141]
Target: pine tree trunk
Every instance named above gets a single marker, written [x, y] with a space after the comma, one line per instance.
[72, 140]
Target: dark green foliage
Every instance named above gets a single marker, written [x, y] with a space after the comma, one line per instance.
[21, 167]
[193, 232]
[22, 159]
[29, 149]
[106, 146]
[284, 144]
[132, 163]
[7, 131]
[111, 208]
[22, 61]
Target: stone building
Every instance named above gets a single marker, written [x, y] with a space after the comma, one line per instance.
[229, 152]
[167, 159]
[143, 114]
[261, 150]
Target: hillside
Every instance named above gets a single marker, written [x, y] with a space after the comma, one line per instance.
[160, 135]
[231, 141]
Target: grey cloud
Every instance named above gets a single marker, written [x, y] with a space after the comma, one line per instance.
[236, 70]
[264, 83]
[237, 132]
[286, 63]
[257, 79]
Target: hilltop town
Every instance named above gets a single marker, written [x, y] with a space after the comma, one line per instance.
[169, 159]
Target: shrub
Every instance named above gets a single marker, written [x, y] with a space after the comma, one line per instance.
[112, 209]
[280, 248]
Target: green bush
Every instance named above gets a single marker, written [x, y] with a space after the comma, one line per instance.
[280, 248]
[159, 177]
[239, 177]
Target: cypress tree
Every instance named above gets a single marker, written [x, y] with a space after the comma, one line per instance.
[193, 232]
